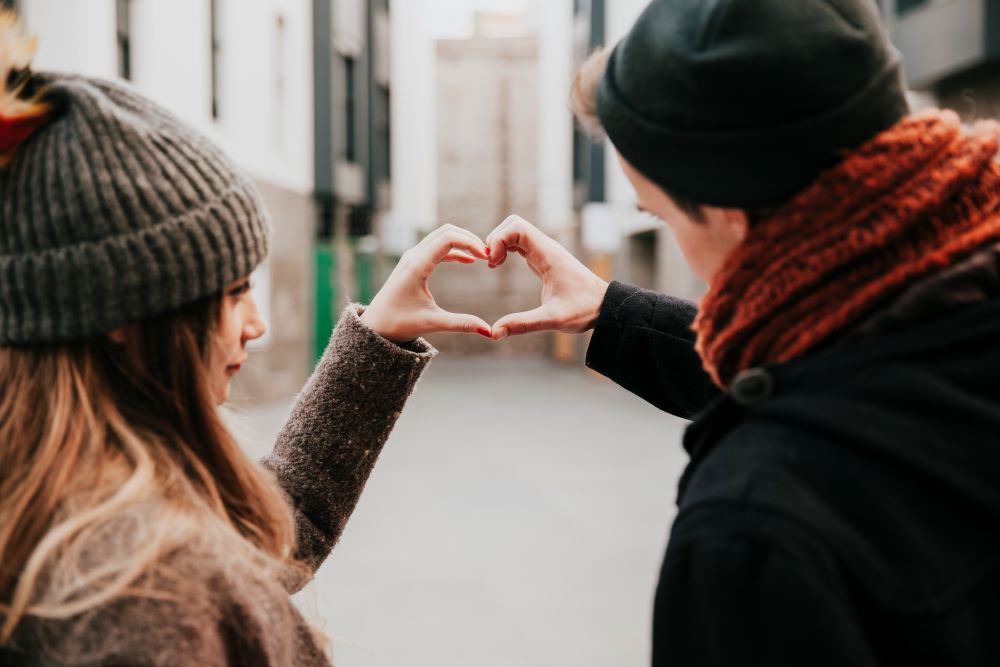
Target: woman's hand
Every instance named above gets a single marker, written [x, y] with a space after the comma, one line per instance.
[572, 294]
[404, 308]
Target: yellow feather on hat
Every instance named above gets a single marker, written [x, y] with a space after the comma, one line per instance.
[19, 115]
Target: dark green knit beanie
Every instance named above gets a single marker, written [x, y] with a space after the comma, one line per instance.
[114, 210]
[741, 103]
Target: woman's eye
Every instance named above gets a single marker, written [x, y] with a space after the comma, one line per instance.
[241, 289]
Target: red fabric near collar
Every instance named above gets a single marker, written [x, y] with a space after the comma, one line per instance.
[14, 130]
[912, 201]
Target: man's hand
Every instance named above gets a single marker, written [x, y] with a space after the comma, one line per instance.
[571, 293]
[404, 308]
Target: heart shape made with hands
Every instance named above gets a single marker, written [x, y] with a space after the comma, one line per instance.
[405, 309]
[571, 293]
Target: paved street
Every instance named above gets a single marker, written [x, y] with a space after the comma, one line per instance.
[517, 517]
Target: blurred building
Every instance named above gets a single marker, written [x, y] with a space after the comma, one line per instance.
[352, 166]
[487, 133]
[297, 92]
[951, 51]
[448, 131]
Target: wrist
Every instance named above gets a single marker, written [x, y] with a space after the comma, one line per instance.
[371, 320]
[596, 303]
[385, 330]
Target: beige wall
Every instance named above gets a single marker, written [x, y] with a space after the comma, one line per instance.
[487, 164]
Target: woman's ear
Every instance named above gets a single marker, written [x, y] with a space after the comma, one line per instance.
[118, 336]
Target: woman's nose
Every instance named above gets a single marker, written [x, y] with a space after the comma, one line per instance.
[255, 326]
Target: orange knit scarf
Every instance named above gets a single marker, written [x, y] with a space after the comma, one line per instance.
[912, 201]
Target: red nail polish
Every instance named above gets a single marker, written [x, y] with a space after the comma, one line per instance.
[487, 251]
[485, 332]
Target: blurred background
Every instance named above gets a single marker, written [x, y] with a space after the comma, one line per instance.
[519, 512]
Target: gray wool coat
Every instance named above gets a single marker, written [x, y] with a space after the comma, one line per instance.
[322, 459]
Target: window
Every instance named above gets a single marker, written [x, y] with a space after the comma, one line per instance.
[279, 82]
[384, 133]
[124, 20]
[581, 151]
[350, 112]
[213, 10]
[903, 6]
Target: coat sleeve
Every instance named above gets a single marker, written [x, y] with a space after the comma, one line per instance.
[342, 418]
[644, 342]
[762, 596]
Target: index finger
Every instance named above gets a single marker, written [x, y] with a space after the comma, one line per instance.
[451, 240]
[517, 235]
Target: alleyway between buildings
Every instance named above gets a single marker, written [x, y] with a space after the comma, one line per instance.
[517, 517]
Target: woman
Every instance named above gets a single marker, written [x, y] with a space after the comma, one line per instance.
[133, 530]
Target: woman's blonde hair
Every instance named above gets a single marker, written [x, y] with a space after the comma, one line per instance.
[115, 456]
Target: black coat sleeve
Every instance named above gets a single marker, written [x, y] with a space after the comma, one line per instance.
[644, 342]
[761, 594]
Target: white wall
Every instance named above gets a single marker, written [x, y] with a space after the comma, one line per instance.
[269, 136]
[74, 36]
[554, 21]
[413, 140]
[170, 56]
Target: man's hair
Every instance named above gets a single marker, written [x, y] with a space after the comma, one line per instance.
[583, 104]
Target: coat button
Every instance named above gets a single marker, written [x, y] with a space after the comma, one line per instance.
[752, 386]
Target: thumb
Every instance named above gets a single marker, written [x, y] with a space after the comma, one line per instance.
[442, 320]
[539, 319]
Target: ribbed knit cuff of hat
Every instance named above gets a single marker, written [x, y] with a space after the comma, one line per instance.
[115, 211]
[742, 103]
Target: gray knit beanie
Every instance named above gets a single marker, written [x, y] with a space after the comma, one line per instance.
[113, 211]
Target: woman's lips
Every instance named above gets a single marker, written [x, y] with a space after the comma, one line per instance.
[235, 368]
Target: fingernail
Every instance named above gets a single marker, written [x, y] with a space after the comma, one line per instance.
[485, 332]
[500, 334]
[487, 251]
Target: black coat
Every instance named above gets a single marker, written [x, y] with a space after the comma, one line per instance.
[841, 509]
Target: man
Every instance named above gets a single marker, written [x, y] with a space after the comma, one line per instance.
[842, 502]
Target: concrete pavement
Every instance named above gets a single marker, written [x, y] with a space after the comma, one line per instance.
[517, 516]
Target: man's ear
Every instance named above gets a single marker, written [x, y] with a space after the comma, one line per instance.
[737, 223]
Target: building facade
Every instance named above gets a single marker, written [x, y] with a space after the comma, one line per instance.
[487, 165]
[286, 87]
[951, 52]
[352, 165]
